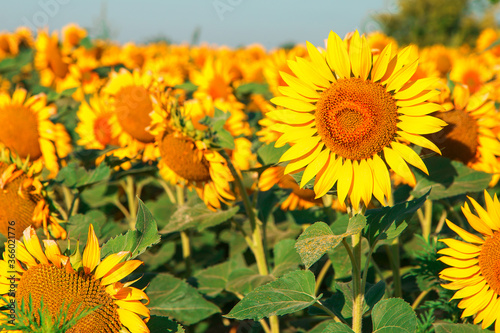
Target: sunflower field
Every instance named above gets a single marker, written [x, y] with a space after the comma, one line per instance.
[344, 187]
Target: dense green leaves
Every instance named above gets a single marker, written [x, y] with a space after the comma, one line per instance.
[393, 315]
[138, 240]
[389, 222]
[172, 297]
[159, 324]
[286, 257]
[458, 328]
[290, 293]
[448, 179]
[337, 328]
[197, 216]
[316, 240]
[74, 176]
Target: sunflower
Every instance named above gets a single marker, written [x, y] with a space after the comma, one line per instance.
[343, 112]
[23, 201]
[187, 161]
[470, 136]
[72, 36]
[42, 141]
[471, 71]
[50, 61]
[55, 278]
[96, 128]
[298, 198]
[132, 104]
[474, 271]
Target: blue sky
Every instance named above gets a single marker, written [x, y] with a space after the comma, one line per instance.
[222, 22]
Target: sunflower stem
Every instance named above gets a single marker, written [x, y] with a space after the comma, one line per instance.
[132, 202]
[358, 293]
[427, 222]
[257, 245]
[393, 253]
[185, 241]
[322, 275]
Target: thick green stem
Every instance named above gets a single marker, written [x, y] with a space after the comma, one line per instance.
[393, 253]
[358, 293]
[427, 222]
[131, 199]
[257, 245]
[322, 275]
[319, 305]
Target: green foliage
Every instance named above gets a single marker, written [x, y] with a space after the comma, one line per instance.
[429, 22]
[393, 315]
[318, 239]
[197, 215]
[389, 222]
[159, 324]
[74, 176]
[458, 328]
[290, 293]
[269, 155]
[172, 297]
[448, 179]
[138, 240]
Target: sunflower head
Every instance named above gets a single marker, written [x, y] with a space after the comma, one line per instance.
[50, 277]
[24, 201]
[348, 114]
[471, 135]
[475, 269]
[42, 141]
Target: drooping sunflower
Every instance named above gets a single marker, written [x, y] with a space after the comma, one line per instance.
[187, 161]
[343, 112]
[470, 136]
[474, 271]
[41, 141]
[132, 104]
[23, 201]
[54, 278]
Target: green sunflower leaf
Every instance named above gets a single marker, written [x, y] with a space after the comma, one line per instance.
[197, 215]
[389, 222]
[458, 328]
[269, 155]
[160, 324]
[319, 238]
[337, 328]
[75, 176]
[448, 179]
[135, 241]
[173, 297]
[393, 315]
[290, 293]
[286, 258]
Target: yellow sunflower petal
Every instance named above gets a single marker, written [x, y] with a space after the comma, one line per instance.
[380, 66]
[460, 246]
[299, 86]
[300, 149]
[419, 140]
[91, 253]
[319, 62]
[313, 167]
[399, 166]
[120, 271]
[457, 254]
[345, 180]
[409, 155]
[420, 124]
[293, 104]
[420, 110]
[33, 245]
[337, 56]
[109, 263]
[466, 236]
[475, 222]
[132, 321]
[326, 179]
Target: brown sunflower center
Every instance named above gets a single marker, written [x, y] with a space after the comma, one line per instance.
[133, 106]
[489, 261]
[356, 118]
[218, 87]
[16, 204]
[19, 131]
[458, 140]
[60, 289]
[182, 156]
[287, 182]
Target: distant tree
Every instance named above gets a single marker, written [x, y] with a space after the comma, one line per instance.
[101, 28]
[428, 22]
